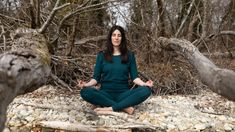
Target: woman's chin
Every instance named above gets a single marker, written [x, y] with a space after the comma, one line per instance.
[116, 45]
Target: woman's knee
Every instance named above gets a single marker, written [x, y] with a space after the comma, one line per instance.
[87, 92]
[145, 90]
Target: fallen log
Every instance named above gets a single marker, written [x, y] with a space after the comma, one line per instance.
[221, 81]
[23, 69]
[74, 127]
[70, 126]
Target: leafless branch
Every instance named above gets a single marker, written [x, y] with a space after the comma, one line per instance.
[9, 17]
[89, 39]
[4, 37]
[212, 36]
[227, 33]
[51, 16]
[185, 18]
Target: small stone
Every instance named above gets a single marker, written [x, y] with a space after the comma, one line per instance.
[29, 118]
[145, 121]
[170, 127]
[200, 126]
[100, 122]
[24, 112]
[227, 127]
[222, 118]
[183, 127]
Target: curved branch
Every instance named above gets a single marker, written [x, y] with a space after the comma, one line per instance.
[212, 36]
[221, 81]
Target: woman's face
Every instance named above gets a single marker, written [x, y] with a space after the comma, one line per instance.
[116, 38]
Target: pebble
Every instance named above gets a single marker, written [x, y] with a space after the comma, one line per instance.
[200, 127]
[227, 127]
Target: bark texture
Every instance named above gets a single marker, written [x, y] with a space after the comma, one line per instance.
[24, 69]
[221, 81]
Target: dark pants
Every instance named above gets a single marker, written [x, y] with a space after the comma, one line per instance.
[117, 100]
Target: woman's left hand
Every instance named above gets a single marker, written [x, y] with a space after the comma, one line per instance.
[149, 83]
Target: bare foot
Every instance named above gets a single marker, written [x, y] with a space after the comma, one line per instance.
[104, 110]
[129, 110]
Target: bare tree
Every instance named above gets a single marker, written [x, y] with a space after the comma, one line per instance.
[161, 26]
[206, 18]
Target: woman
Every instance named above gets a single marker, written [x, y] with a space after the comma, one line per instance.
[112, 70]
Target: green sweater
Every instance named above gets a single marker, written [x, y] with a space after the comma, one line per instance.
[114, 76]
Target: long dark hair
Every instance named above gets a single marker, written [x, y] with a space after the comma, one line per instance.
[123, 46]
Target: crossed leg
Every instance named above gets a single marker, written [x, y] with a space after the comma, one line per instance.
[124, 102]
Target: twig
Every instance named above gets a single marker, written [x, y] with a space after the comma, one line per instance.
[4, 37]
[89, 39]
[61, 82]
[9, 17]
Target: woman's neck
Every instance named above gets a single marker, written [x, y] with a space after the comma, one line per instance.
[116, 51]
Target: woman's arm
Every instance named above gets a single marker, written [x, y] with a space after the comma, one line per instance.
[139, 82]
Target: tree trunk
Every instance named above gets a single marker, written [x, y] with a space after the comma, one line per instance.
[221, 81]
[206, 18]
[161, 22]
[24, 69]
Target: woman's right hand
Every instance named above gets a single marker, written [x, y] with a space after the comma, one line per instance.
[81, 84]
[149, 83]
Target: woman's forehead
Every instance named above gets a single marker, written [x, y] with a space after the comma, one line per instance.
[116, 31]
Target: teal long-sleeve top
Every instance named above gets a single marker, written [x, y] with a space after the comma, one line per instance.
[113, 76]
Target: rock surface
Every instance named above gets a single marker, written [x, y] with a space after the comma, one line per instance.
[205, 112]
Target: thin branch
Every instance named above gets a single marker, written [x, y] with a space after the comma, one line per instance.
[84, 4]
[89, 39]
[185, 18]
[212, 36]
[227, 33]
[9, 17]
[51, 16]
[4, 37]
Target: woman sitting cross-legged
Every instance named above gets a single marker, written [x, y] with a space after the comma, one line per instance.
[112, 70]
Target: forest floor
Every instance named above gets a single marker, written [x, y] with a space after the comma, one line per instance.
[53, 109]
